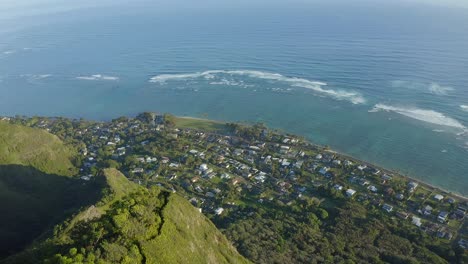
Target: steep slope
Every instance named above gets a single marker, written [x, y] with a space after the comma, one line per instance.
[34, 194]
[133, 224]
[21, 145]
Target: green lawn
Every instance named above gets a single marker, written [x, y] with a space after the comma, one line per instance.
[199, 124]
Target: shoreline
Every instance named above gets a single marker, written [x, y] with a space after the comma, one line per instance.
[421, 183]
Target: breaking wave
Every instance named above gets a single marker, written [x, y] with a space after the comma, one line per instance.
[98, 77]
[424, 115]
[464, 107]
[315, 86]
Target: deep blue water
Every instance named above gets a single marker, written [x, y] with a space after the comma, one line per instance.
[396, 76]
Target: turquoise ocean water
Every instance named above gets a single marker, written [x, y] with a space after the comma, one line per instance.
[387, 84]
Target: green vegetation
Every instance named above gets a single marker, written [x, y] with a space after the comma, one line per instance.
[277, 197]
[34, 192]
[27, 146]
[199, 124]
[306, 235]
[135, 225]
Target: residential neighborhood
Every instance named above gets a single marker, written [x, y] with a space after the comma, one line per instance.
[221, 171]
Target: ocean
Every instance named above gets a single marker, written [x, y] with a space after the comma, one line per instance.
[384, 83]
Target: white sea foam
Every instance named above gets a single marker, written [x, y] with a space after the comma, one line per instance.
[98, 77]
[438, 89]
[424, 115]
[433, 87]
[36, 76]
[464, 108]
[315, 86]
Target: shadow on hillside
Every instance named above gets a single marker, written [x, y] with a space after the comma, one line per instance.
[32, 202]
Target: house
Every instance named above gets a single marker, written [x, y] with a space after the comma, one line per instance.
[400, 197]
[386, 177]
[337, 162]
[138, 170]
[364, 182]
[85, 178]
[324, 170]
[412, 186]
[338, 187]
[198, 189]
[438, 197]
[350, 192]
[319, 156]
[121, 151]
[402, 215]
[299, 164]
[416, 221]
[442, 217]
[460, 212]
[174, 165]
[193, 152]
[150, 159]
[260, 178]
[203, 167]
[427, 210]
[225, 176]
[254, 148]
[219, 211]
[362, 167]
[463, 243]
[195, 179]
[387, 208]
[372, 188]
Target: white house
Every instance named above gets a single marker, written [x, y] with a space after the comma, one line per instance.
[416, 221]
[438, 197]
[203, 167]
[350, 192]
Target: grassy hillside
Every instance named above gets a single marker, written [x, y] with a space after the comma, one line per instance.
[21, 145]
[34, 194]
[133, 224]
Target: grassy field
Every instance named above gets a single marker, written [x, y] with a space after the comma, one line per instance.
[199, 124]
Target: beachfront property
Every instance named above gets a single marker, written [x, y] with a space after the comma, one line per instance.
[412, 186]
[438, 197]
